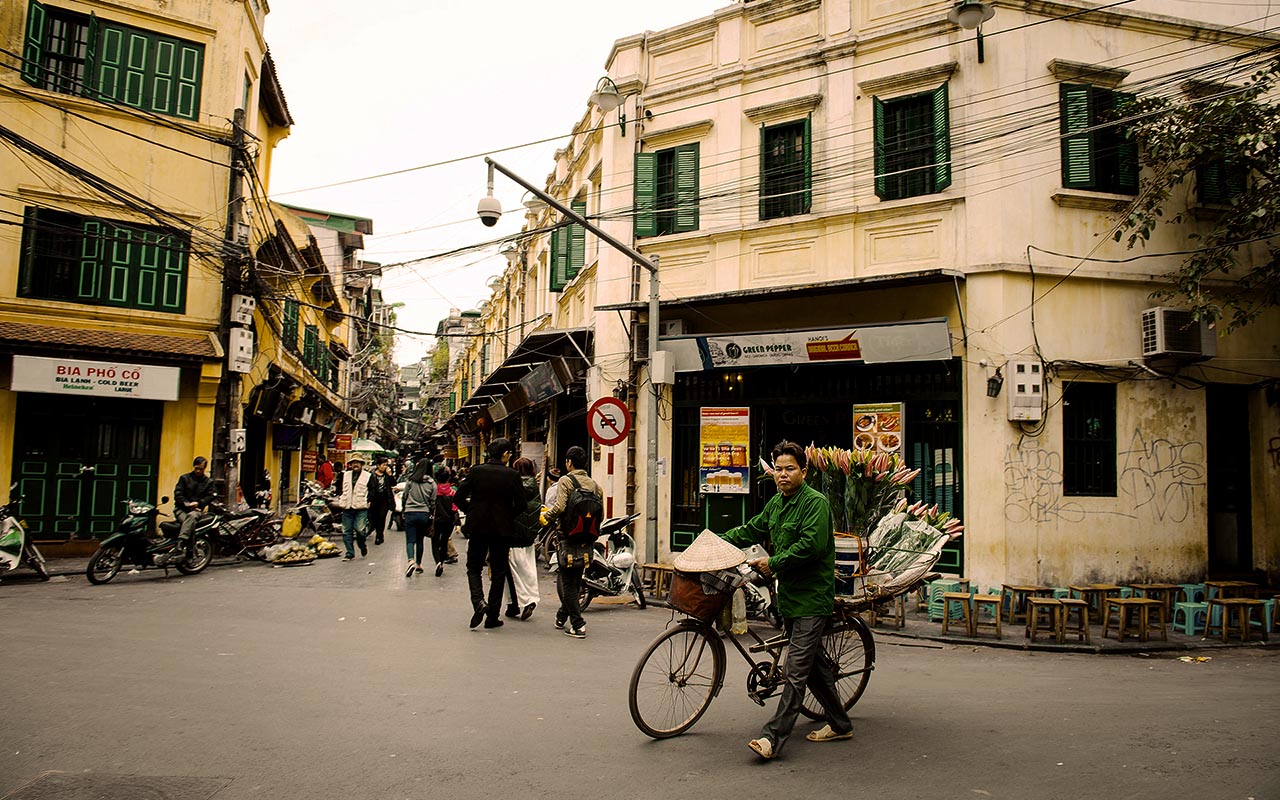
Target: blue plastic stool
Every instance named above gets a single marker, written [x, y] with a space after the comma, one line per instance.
[1194, 592]
[1268, 615]
[1193, 615]
[1059, 593]
[1126, 593]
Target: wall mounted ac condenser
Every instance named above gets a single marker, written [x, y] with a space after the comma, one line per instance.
[1174, 334]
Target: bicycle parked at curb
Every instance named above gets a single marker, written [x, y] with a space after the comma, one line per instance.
[683, 670]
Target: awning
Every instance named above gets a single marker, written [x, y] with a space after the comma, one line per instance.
[27, 337]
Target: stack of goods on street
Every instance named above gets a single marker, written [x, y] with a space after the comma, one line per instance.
[289, 553]
[322, 547]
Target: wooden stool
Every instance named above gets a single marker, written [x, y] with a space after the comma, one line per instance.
[894, 613]
[1082, 616]
[1141, 605]
[1017, 595]
[1053, 606]
[659, 575]
[1243, 606]
[980, 600]
[963, 599]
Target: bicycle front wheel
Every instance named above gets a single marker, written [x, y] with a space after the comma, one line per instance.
[849, 647]
[675, 681]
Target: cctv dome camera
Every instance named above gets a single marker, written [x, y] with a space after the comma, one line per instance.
[489, 210]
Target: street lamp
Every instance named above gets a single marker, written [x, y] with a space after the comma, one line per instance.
[970, 14]
[607, 97]
[489, 209]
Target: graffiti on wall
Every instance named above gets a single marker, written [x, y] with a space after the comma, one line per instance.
[1162, 476]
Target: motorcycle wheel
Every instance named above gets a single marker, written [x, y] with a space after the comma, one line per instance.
[637, 591]
[199, 559]
[104, 565]
[585, 597]
[37, 562]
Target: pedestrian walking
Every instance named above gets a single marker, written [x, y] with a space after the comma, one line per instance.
[491, 496]
[522, 562]
[419, 505]
[795, 525]
[381, 498]
[444, 521]
[577, 538]
[324, 474]
[351, 488]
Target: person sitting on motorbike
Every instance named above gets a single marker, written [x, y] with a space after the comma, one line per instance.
[193, 492]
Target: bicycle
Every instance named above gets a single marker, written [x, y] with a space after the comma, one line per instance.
[683, 669]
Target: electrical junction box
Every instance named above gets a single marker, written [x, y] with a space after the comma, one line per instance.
[664, 367]
[236, 442]
[1026, 391]
[240, 352]
[242, 307]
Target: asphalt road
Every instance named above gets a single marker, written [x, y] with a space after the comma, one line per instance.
[349, 681]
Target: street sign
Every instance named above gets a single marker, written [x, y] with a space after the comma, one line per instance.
[342, 441]
[608, 421]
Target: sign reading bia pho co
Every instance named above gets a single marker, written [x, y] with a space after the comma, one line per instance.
[67, 376]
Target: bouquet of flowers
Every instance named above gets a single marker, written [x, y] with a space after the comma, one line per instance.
[861, 486]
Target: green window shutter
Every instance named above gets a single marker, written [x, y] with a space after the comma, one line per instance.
[147, 285]
[559, 241]
[646, 194]
[877, 109]
[577, 243]
[289, 326]
[92, 243]
[1076, 114]
[941, 139]
[1219, 182]
[764, 180]
[686, 188]
[187, 84]
[1127, 166]
[808, 165]
[173, 274]
[33, 44]
[30, 237]
[119, 254]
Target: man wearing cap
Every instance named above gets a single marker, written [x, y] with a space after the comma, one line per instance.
[795, 525]
[352, 496]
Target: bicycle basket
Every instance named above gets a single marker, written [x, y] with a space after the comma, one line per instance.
[688, 596]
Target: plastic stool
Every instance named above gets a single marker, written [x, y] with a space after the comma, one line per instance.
[1193, 617]
[1268, 614]
[1059, 593]
[1193, 592]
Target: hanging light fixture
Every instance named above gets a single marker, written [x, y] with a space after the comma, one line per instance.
[994, 383]
[970, 14]
[607, 97]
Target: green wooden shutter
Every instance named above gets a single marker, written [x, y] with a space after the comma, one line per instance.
[941, 139]
[877, 109]
[289, 325]
[119, 254]
[33, 44]
[577, 243]
[173, 274]
[1127, 166]
[686, 188]
[147, 283]
[808, 165]
[187, 86]
[1219, 182]
[30, 242]
[1076, 114]
[92, 236]
[764, 172]
[559, 259]
[646, 194]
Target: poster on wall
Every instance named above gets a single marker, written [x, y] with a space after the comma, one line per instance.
[878, 427]
[724, 437]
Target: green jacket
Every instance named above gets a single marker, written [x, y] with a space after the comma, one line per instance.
[798, 531]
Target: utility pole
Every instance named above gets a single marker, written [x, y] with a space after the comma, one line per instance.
[229, 414]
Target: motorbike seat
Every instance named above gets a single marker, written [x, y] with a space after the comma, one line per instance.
[252, 512]
[170, 529]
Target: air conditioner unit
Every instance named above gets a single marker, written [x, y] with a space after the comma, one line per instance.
[1173, 333]
[1026, 391]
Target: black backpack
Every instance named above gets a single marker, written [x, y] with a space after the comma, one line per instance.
[582, 515]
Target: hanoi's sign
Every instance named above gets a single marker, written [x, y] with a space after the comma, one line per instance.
[67, 376]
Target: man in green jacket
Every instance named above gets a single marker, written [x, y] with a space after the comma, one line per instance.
[795, 526]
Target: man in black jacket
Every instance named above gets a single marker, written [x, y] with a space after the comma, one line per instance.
[193, 492]
[381, 498]
[492, 496]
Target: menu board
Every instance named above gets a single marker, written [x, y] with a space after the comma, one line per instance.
[725, 435]
[878, 427]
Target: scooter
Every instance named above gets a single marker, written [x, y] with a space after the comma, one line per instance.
[244, 533]
[313, 508]
[614, 570]
[15, 549]
[131, 543]
[759, 592]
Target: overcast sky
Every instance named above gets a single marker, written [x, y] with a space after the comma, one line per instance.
[388, 85]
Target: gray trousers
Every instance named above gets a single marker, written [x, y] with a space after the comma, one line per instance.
[809, 666]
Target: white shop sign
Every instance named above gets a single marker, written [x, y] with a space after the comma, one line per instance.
[67, 376]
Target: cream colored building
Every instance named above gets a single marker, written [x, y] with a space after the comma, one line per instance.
[814, 171]
[118, 126]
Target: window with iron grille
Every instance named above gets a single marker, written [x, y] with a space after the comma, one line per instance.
[102, 262]
[72, 53]
[1089, 439]
[912, 137]
[785, 170]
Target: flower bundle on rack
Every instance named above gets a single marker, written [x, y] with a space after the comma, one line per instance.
[930, 515]
[861, 485]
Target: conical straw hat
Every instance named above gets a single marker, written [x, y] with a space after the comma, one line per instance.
[708, 553]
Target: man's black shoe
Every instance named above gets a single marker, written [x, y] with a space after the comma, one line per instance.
[513, 611]
[364, 551]
[478, 615]
[493, 623]
[528, 611]
[378, 540]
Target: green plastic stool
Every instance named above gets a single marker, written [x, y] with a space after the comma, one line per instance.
[1191, 613]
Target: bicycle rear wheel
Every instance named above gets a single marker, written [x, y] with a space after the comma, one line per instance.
[849, 646]
[675, 681]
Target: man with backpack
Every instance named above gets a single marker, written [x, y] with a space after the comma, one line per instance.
[579, 509]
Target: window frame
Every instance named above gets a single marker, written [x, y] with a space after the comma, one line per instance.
[893, 179]
[1096, 156]
[663, 205]
[786, 183]
[1089, 457]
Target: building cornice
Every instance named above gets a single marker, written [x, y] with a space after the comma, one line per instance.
[692, 131]
[1064, 70]
[783, 109]
[914, 79]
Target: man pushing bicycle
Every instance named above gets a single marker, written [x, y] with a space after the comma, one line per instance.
[795, 525]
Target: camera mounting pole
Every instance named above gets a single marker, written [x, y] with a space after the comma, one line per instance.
[649, 263]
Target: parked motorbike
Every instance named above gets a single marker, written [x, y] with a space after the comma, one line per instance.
[131, 544]
[614, 570]
[15, 548]
[313, 508]
[760, 593]
[243, 532]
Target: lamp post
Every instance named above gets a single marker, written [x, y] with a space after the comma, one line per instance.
[489, 209]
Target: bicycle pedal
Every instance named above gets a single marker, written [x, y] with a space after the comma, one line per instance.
[757, 698]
